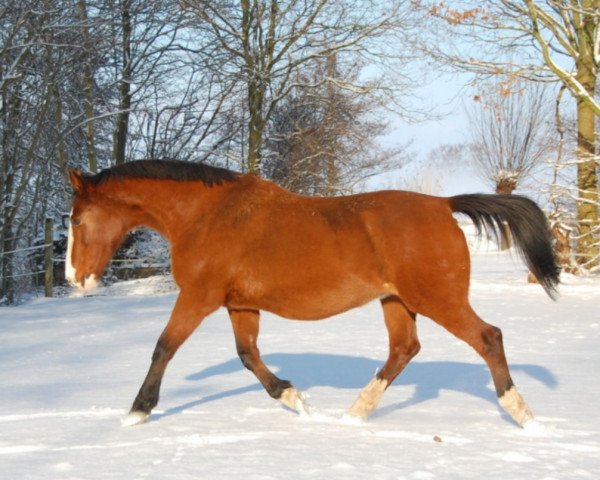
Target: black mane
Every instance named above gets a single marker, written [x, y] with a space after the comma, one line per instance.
[165, 170]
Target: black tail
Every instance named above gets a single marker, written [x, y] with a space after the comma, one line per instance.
[527, 224]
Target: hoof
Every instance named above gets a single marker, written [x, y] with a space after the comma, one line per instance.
[134, 418]
[368, 399]
[292, 399]
[515, 406]
[296, 400]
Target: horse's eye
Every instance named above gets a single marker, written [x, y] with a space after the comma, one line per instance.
[75, 222]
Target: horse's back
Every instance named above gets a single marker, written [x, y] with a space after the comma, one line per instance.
[330, 254]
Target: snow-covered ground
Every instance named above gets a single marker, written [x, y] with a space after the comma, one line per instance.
[70, 368]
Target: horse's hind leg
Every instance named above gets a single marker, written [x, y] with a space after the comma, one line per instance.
[404, 345]
[486, 339]
[245, 328]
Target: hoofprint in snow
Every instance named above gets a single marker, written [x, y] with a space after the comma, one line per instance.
[71, 367]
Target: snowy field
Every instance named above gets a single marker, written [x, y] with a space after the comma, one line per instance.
[72, 366]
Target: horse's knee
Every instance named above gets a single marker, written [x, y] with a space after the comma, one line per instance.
[492, 340]
[406, 351]
[399, 356]
[414, 348]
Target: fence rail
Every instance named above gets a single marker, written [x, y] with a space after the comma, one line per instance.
[28, 274]
[37, 247]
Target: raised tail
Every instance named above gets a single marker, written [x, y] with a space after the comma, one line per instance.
[527, 224]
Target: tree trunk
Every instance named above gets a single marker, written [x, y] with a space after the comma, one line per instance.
[88, 89]
[256, 127]
[506, 186]
[255, 133]
[120, 139]
[587, 203]
[11, 107]
[335, 118]
[588, 250]
[562, 248]
[7, 291]
[48, 264]
[61, 151]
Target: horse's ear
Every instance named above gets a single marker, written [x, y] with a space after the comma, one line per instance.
[77, 181]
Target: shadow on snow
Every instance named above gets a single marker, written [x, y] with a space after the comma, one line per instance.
[306, 370]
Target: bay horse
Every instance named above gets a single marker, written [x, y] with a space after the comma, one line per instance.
[244, 243]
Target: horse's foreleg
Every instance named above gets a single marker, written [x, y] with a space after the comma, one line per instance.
[245, 328]
[487, 341]
[186, 316]
[404, 345]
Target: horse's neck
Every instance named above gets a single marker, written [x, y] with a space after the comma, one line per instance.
[164, 206]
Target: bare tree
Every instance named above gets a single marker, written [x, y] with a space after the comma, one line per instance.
[26, 79]
[541, 40]
[148, 61]
[260, 45]
[322, 140]
[60, 79]
[511, 132]
[147, 89]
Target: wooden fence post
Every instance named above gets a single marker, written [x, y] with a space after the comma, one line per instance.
[49, 250]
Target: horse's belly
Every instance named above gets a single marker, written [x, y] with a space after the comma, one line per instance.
[312, 300]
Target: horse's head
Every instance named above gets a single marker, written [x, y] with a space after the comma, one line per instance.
[95, 232]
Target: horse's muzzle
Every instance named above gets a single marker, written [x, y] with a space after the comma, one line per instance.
[89, 282]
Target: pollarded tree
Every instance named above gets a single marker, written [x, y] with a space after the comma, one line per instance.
[511, 132]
